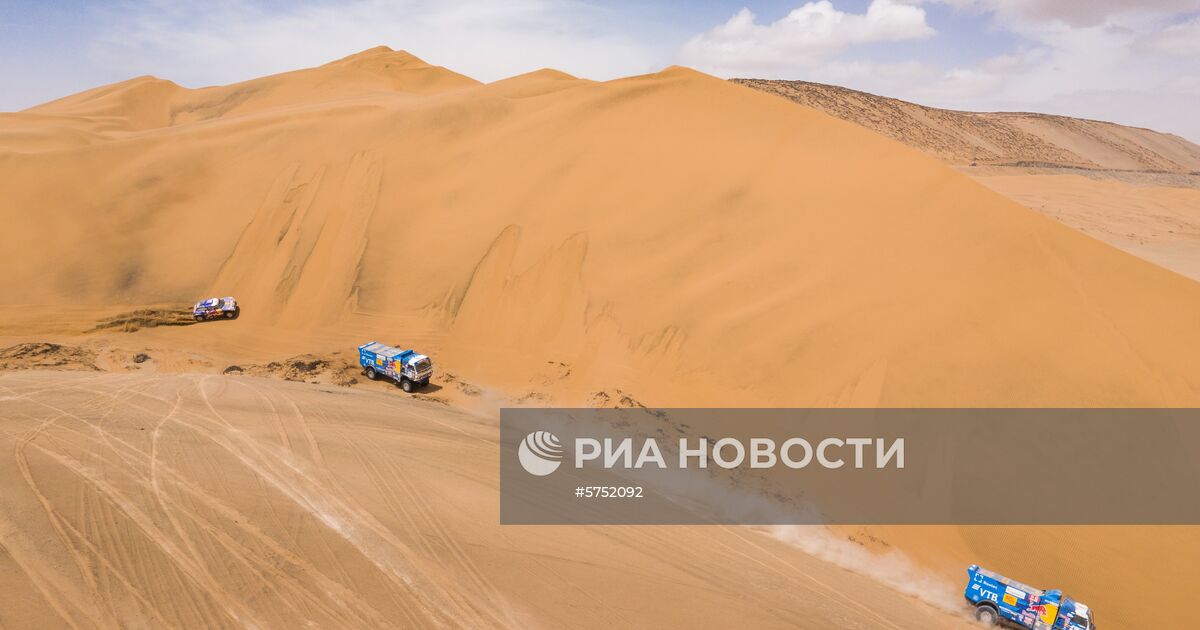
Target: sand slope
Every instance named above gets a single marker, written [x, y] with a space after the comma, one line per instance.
[1158, 223]
[997, 138]
[1135, 189]
[679, 238]
[229, 502]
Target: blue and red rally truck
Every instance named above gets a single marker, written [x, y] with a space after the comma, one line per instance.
[407, 368]
[1001, 601]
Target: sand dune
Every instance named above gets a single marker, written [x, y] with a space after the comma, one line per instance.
[150, 103]
[997, 138]
[627, 228]
[1135, 189]
[677, 238]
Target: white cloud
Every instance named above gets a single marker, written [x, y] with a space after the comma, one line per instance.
[802, 38]
[1128, 69]
[1181, 39]
[211, 43]
[1134, 62]
[1072, 12]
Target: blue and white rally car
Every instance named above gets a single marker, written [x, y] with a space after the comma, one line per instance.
[216, 308]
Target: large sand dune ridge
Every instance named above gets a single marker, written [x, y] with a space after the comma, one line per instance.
[637, 229]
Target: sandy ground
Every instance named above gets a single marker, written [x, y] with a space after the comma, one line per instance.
[216, 501]
[1160, 224]
[997, 138]
[668, 239]
[295, 465]
[1133, 188]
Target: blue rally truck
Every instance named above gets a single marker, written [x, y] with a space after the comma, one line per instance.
[1002, 601]
[407, 368]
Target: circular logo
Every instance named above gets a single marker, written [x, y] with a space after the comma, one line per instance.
[540, 453]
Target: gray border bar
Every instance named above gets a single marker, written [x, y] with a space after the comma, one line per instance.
[961, 466]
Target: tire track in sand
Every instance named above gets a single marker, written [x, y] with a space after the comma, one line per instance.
[96, 479]
[339, 594]
[130, 458]
[353, 524]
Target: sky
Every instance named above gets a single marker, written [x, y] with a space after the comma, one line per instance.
[1129, 61]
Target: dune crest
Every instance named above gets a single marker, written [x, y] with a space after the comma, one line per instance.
[998, 138]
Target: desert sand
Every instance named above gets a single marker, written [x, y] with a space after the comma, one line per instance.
[667, 239]
[210, 501]
[998, 138]
[1133, 188]
[1158, 223]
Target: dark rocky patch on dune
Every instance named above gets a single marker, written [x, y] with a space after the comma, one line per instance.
[47, 356]
[305, 368]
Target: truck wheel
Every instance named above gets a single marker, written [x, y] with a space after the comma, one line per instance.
[406, 385]
[424, 382]
[371, 375]
[987, 615]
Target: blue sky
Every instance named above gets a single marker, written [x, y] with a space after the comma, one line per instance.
[1131, 61]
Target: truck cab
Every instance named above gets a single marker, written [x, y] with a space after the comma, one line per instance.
[1002, 601]
[1076, 615]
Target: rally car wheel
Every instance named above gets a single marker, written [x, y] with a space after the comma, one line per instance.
[199, 318]
[371, 375]
[987, 615]
[406, 385]
[230, 314]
